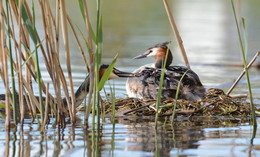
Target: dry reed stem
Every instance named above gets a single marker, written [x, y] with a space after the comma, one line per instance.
[15, 65]
[48, 56]
[58, 72]
[16, 114]
[78, 42]
[91, 59]
[57, 27]
[66, 44]
[16, 15]
[31, 96]
[7, 142]
[33, 99]
[20, 74]
[51, 51]
[176, 32]
[243, 73]
[24, 36]
[58, 69]
[46, 110]
[4, 73]
[55, 66]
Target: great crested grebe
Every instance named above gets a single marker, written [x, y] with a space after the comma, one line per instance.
[147, 84]
[83, 89]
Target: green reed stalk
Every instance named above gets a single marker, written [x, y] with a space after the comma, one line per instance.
[243, 52]
[159, 94]
[14, 97]
[113, 140]
[113, 102]
[98, 55]
[177, 95]
[157, 149]
[112, 91]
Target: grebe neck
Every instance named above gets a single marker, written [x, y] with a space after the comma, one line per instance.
[161, 58]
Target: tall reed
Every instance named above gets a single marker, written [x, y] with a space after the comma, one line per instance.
[3, 59]
[38, 71]
[159, 93]
[177, 95]
[176, 32]
[28, 59]
[13, 95]
[243, 53]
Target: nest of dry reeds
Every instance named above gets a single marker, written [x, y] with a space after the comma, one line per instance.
[216, 103]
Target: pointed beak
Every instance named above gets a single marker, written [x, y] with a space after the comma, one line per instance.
[123, 74]
[144, 55]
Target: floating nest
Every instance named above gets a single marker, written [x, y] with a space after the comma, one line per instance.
[216, 103]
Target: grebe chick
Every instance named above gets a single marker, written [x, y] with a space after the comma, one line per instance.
[146, 85]
[83, 89]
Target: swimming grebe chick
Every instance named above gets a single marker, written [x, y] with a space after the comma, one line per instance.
[147, 84]
[83, 89]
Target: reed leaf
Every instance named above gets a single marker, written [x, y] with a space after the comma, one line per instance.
[2, 106]
[30, 56]
[78, 42]
[29, 25]
[85, 40]
[107, 73]
[82, 10]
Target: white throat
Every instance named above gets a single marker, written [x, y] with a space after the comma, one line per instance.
[153, 53]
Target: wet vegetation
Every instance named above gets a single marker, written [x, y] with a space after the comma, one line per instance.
[216, 103]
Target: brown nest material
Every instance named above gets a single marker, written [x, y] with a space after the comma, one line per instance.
[216, 103]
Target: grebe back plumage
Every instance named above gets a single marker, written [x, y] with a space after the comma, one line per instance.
[146, 85]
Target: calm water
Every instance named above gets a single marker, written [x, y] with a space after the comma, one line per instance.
[130, 27]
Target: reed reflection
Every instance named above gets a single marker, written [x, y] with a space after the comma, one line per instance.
[182, 134]
[7, 141]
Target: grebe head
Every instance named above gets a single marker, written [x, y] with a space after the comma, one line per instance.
[159, 51]
[114, 74]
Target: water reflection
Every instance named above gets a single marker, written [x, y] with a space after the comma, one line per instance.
[182, 135]
[200, 136]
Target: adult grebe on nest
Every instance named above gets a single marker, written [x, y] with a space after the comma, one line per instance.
[147, 84]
